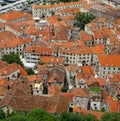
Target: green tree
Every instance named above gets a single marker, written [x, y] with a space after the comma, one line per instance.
[12, 58]
[30, 71]
[83, 18]
[59, 19]
[16, 117]
[89, 118]
[64, 89]
[69, 116]
[2, 114]
[111, 117]
[39, 115]
[102, 109]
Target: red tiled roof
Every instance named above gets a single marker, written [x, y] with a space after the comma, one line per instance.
[58, 5]
[38, 50]
[34, 78]
[101, 81]
[113, 104]
[109, 60]
[22, 71]
[97, 114]
[45, 59]
[13, 15]
[68, 95]
[81, 92]
[9, 69]
[3, 82]
[114, 77]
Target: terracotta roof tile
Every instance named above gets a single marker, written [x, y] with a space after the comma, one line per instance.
[87, 112]
[80, 92]
[44, 59]
[114, 78]
[79, 50]
[54, 89]
[3, 64]
[9, 69]
[98, 49]
[72, 68]
[113, 104]
[22, 71]
[38, 50]
[101, 81]
[109, 60]
[13, 15]
[69, 10]
[68, 95]
[23, 102]
[58, 5]
[104, 95]
[88, 70]
[3, 82]
[3, 91]
[34, 78]
[84, 36]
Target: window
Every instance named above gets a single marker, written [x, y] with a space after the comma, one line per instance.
[94, 104]
[95, 108]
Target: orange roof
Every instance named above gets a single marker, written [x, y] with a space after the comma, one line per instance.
[72, 68]
[118, 21]
[27, 40]
[113, 39]
[52, 19]
[89, 6]
[106, 31]
[22, 71]
[10, 40]
[68, 45]
[34, 78]
[84, 36]
[97, 114]
[80, 76]
[38, 50]
[3, 82]
[3, 91]
[13, 15]
[2, 25]
[113, 104]
[51, 80]
[69, 10]
[54, 89]
[105, 94]
[3, 64]
[79, 50]
[101, 19]
[81, 92]
[115, 78]
[101, 81]
[45, 59]
[42, 69]
[98, 34]
[58, 5]
[68, 18]
[109, 60]
[9, 69]
[98, 49]
[68, 95]
[87, 70]
[11, 83]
